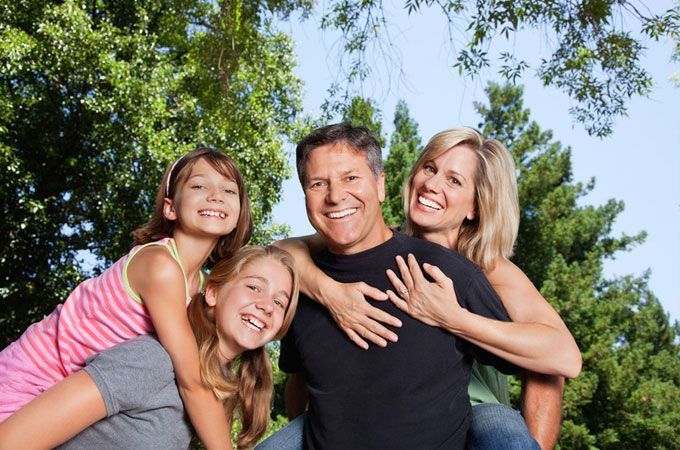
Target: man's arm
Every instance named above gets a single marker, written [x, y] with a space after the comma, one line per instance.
[542, 407]
[296, 395]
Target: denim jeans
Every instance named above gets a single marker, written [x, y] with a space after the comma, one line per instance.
[290, 437]
[495, 426]
[492, 427]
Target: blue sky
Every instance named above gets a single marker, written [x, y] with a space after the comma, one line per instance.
[639, 163]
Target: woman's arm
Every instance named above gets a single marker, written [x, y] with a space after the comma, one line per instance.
[537, 340]
[159, 281]
[345, 301]
[55, 416]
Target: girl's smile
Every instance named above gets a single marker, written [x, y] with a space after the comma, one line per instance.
[249, 310]
[206, 203]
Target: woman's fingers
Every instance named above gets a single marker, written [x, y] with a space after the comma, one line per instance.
[414, 270]
[367, 325]
[372, 333]
[362, 322]
[376, 332]
[399, 286]
[354, 337]
[398, 301]
[405, 273]
[379, 316]
[370, 291]
[437, 275]
[368, 329]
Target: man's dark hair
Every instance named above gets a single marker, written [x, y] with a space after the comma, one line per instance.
[358, 138]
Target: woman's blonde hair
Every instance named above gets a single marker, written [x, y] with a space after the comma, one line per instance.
[245, 384]
[493, 231]
[158, 227]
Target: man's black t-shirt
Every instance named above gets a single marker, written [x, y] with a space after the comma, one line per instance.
[410, 395]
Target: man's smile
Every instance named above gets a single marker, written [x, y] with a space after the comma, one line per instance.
[342, 213]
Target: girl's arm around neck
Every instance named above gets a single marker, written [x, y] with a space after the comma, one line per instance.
[346, 302]
[159, 281]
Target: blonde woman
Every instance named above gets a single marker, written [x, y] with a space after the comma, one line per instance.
[462, 194]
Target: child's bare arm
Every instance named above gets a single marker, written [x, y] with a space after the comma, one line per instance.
[55, 416]
[158, 280]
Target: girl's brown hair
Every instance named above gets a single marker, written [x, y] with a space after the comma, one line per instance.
[245, 384]
[158, 227]
[493, 231]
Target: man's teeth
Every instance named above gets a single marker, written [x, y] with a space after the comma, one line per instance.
[219, 214]
[253, 323]
[343, 213]
[429, 203]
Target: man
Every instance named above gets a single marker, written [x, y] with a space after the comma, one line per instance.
[412, 394]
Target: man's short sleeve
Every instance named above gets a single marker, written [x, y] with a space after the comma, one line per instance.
[289, 358]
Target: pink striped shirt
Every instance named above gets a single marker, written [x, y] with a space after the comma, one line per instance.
[100, 313]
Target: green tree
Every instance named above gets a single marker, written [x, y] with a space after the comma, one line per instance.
[405, 145]
[361, 111]
[595, 48]
[625, 396]
[98, 97]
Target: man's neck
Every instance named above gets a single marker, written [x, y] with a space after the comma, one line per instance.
[381, 233]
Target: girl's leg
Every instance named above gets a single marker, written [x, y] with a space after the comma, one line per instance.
[498, 427]
[20, 382]
[290, 437]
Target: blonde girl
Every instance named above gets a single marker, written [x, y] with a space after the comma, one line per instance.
[249, 300]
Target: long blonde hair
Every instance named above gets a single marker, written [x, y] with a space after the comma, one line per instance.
[245, 384]
[158, 227]
[493, 231]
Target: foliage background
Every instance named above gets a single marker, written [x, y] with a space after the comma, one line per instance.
[98, 97]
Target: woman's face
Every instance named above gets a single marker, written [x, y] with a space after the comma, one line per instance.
[443, 195]
[249, 310]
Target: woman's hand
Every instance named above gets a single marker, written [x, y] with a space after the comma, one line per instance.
[355, 316]
[433, 303]
[346, 302]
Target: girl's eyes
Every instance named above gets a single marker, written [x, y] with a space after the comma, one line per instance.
[429, 169]
[254, 288]
[230, 191]
[280, 304]
[454, 180]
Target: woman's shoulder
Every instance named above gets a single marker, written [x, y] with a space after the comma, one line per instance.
[505, 272]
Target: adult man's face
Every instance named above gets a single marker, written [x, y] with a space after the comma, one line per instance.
[343, 199]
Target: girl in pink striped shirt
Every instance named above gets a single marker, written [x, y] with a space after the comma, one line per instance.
[202, 215]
